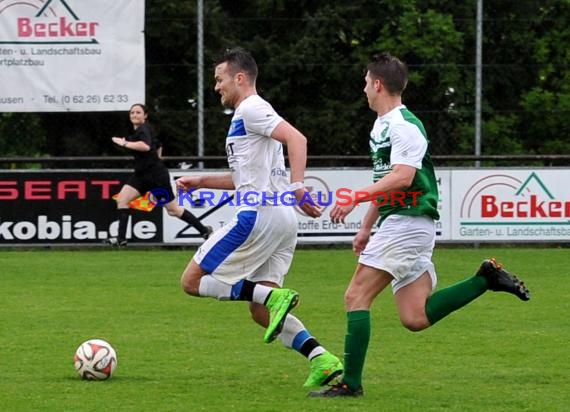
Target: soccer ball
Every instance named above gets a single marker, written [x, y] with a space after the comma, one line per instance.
[95, 359]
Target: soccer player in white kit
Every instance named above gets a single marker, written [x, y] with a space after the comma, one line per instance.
[248, 258]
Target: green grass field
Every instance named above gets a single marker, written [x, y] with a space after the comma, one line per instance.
[178, 353]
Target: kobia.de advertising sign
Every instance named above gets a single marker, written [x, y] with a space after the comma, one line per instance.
[68, 207]
[71, 55]
[511, 205]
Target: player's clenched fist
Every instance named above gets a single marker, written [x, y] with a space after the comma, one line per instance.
[188, 182]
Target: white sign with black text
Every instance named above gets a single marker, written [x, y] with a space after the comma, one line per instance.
[71, 55]
[326, 187]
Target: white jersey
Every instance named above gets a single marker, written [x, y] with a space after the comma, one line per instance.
[255, 159]
[258, 243]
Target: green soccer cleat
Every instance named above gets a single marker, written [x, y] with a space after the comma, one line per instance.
[279, 304]
[324, 368]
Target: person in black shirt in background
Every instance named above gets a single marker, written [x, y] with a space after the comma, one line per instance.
[150, 173]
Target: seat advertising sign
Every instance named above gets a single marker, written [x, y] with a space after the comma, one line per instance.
[68, 207]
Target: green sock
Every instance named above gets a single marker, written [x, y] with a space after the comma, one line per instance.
[448, 300]
[355, 347]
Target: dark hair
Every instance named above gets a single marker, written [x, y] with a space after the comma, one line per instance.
[238, 59]
[142, 106]
[391, 70]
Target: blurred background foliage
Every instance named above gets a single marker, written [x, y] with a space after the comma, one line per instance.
[312, 56]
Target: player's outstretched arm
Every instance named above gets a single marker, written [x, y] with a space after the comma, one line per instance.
[218, 181]
[139, 146]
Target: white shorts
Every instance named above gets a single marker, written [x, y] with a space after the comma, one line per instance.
[257, 245]
[403, 247]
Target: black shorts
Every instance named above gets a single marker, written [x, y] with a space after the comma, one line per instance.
[158, 182]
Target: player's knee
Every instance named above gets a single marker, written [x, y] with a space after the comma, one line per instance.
[414, 323]
[351, 298]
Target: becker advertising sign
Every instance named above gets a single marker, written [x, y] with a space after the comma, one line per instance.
[71, 55]
[511, 205]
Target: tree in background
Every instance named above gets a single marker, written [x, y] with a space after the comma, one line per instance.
[21, 134]
[312, 55]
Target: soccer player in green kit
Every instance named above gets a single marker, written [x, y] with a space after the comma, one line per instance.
[400, 252]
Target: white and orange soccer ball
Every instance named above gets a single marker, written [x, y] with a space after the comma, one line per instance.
[95, 359]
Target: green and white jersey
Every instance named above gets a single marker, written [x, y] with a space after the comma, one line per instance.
[399, 137]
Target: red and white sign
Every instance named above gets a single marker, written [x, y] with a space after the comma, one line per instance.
[511, 205]
[71, 55]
